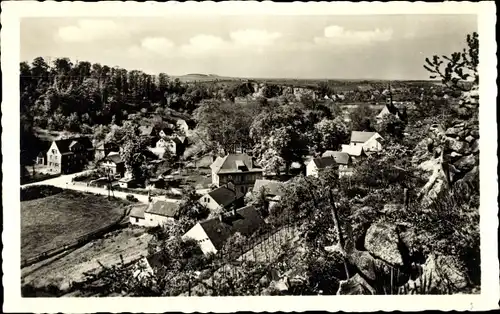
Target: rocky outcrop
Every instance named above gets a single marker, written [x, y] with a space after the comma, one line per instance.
[448, 155]
[440, 274]
[382, 241]
[355, 285]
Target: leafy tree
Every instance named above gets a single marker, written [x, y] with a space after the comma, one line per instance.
[391, 126]
[362, 118]
[459, 66]
[190, 206]
[135, 154]
[331, 134]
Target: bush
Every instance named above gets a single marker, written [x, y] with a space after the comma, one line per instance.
[38, 191]
[131, 198]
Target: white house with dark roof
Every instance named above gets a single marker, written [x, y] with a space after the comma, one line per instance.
[369, 141]
[222, 197]
[211, 234]
[338, 160]
[236, 168]
[69, 155]
[157, 213]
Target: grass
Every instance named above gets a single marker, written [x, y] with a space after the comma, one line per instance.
[50, 222]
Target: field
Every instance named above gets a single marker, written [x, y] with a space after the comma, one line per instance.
[53, 221]
[69, 267]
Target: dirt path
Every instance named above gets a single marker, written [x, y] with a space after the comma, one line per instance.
[69, 267]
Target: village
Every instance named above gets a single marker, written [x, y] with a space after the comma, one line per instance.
[138, 184]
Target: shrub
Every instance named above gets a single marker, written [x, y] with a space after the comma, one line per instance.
[131, 198]
[38, 191]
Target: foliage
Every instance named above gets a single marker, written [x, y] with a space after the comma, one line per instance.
[392, 126]
[331, 134]
[459, 67]
[38, 191]
[362, 118]
[190, 208]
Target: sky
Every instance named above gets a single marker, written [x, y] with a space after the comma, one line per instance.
[267, 46]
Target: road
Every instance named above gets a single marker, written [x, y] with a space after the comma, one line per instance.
[64, 182]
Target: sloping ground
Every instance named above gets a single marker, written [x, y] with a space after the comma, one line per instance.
[51, 222]
[61, 270]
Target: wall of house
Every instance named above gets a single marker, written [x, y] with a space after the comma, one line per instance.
[156, 220]
[243, 182]
[138, 221]
[372, 144]
[54, 159]
[209, 202]
[215, 179]
[311, 170]
[198, 234]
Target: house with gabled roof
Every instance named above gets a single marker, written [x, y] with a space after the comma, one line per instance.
[274, 191]
[370, 141]
[236, 168]
[103, 149]
[174, 144]
[338, 160]
[70, 155]
[222, 198]
[113, 164]
[355, 152]
[157, 213]
[211, 234]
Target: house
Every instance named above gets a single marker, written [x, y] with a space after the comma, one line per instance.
[150, 133]
[274, 191]
[338, 160]
[136, 216]
[355, 152]
[104, 148]
[174, 144]
[370, 141]
[212, 233]
[41, 158]
[157, 213]
[126, 182]
[236, 168]
[222, 197]
[69, 155]
[113, 164]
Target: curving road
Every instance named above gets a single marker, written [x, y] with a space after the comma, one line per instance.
[64, 182]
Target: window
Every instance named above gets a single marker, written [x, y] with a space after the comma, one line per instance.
[136, 219]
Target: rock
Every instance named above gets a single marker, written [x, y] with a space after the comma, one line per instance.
[475, 146]
[355, 285]
[454, 131]
[455, 155]
[465, 163]
[364, 262]
[474, 133]
[469, 139]
[456, 145]
[382, 241]
[471, 178]
[441, 274]
[392, 208]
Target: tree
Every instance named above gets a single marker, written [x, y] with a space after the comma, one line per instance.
[391, 126]
[135, 154]
[331, 134]
[190, 207]
[362, 118]
[459, 66]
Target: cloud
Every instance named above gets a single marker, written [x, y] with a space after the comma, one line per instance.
[254, 37]
[157, 44]
[337, 35]
[90, 30]
[204, 44]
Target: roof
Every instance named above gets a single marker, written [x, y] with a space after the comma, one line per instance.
[272, 187]
[137, 212]
[231, 162]
[340, 157]
[245, 220]
[156, 261]
[115, 158]
[352, 150]
[107, 146]
[146, 130]
[163, 208]
[324, 162]
[361, 137]
[65, 144]
[223, 196]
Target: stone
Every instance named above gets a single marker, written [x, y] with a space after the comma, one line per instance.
[454, 131]
[456, 145]
[440, 274]
[355, 285]
[469, 139]
[475, 147]
[382, 241]
[474, 133]
[465, 163]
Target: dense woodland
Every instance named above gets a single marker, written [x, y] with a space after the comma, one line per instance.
[393, 190]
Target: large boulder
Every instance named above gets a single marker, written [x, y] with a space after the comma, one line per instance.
[439, 274]
[475, 147]
[355, 285]
[456, 145]
[382, 241]
[466, 163]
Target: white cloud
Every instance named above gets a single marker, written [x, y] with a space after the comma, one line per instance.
[338, 35]
[90, 30]
[204, 44]
[254, 37]
[157, 44]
